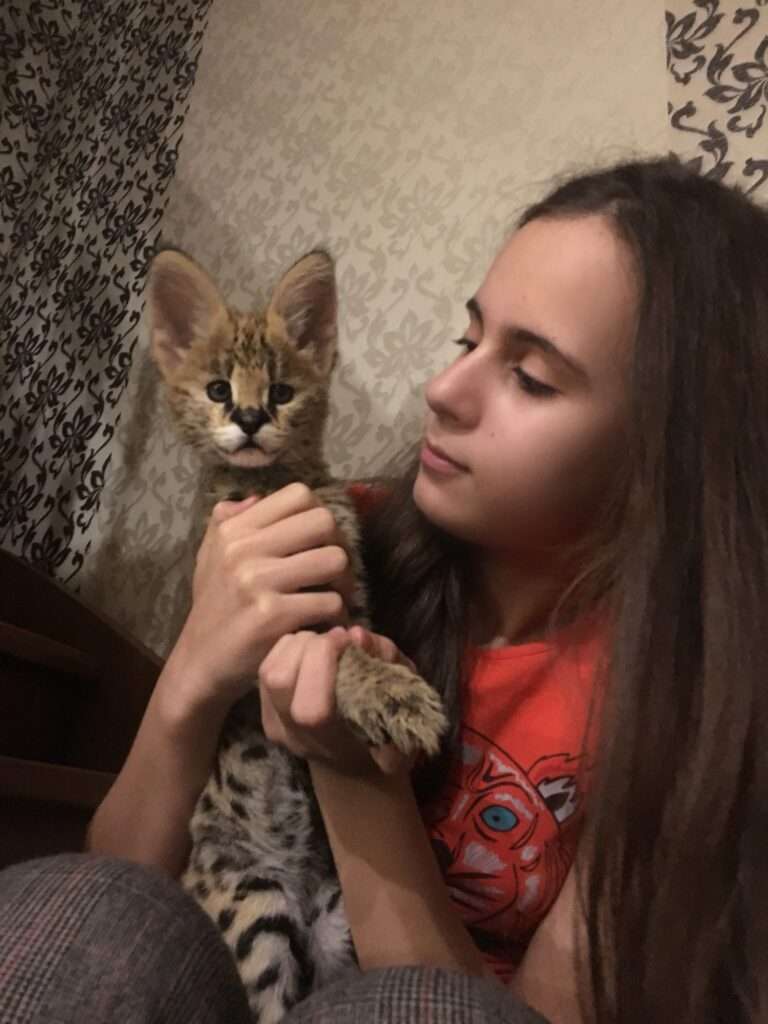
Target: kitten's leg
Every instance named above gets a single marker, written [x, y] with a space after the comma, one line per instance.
[263, 927]
[388, 703]
[330, 940]
[251, 834]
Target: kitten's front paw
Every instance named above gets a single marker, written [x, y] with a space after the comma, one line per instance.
[387, 703]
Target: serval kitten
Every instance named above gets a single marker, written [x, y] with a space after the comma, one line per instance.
[250, 392]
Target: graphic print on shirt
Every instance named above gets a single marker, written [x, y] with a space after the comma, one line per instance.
[498, 834]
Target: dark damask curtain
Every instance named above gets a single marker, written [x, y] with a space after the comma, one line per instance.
[92, 105]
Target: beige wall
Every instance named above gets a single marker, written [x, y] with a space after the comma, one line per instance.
[405, 137]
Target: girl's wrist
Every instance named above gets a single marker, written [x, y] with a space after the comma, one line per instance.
[188, 699]
[336, 785]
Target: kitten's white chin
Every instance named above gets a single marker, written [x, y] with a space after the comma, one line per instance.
[249, 458]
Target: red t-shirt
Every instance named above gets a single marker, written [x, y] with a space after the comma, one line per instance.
[506, 823]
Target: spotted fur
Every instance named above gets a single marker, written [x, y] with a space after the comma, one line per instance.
[250, 392]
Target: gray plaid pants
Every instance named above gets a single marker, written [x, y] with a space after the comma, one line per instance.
[87, 940]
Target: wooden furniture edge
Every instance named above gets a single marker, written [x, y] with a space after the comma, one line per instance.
[54, 783]
[37, 649]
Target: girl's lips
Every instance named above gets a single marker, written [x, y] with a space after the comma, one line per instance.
[438, 461]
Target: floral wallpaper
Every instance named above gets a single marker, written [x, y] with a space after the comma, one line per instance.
[405, 138]
[717, 58]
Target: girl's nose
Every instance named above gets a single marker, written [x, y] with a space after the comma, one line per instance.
[455, 394]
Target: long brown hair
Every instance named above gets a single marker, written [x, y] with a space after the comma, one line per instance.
[676, 888]
[420, 589]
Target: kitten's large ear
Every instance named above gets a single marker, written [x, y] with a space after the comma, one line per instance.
[184, 306]
[305, 300]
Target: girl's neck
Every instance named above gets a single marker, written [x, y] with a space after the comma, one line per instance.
[514, 604]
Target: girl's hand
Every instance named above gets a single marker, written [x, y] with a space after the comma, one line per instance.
[256, 559]
[298, 699]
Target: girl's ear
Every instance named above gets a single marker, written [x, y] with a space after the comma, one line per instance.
[305, 301]
[184, 306]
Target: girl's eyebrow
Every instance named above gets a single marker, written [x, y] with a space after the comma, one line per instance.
[527, 337]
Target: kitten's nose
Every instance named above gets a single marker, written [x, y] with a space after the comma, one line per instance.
[249, 419]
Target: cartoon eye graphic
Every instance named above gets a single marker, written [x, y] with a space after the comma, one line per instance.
[500, 819]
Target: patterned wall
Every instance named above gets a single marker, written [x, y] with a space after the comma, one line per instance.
[717, 52]
[405, 137]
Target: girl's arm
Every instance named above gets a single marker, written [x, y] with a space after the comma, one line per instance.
[398, 906]
[395, 899]
[396, 902]
[145, 815]
[255, 560]
[548, 977]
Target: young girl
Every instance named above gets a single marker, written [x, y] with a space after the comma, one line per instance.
[579, 563]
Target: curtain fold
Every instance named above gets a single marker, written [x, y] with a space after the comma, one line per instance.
[93, 97]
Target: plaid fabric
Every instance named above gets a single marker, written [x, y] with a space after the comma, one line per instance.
[85, 940]
[412, 995]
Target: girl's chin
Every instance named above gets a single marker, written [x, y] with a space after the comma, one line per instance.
[452, 512]
[431, 500]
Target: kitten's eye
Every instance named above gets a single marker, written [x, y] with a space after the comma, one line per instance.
[219, 391]
[280, 393]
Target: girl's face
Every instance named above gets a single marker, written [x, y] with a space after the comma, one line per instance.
[524, 429]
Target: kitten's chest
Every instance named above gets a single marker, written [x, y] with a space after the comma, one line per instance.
[230, 483]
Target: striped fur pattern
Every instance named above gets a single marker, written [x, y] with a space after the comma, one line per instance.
[250, 392]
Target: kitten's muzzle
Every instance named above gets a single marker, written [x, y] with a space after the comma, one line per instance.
[250, 420]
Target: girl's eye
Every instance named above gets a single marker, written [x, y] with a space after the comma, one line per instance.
[532, 386]
[466, 344]
[280, 393]
[219, 391]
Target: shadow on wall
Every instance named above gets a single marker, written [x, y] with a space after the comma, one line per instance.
[141, 572]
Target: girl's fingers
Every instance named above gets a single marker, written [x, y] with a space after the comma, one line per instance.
[288, 575]
[314, 698]
[345, 584]
[376, 645]
[292, 612]
[379, 646]
[279, 672]
[288, 501]
[315, 568]
[224, 510]
[298, 694]
[297, 684]
[271, 723]
[311, 528]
